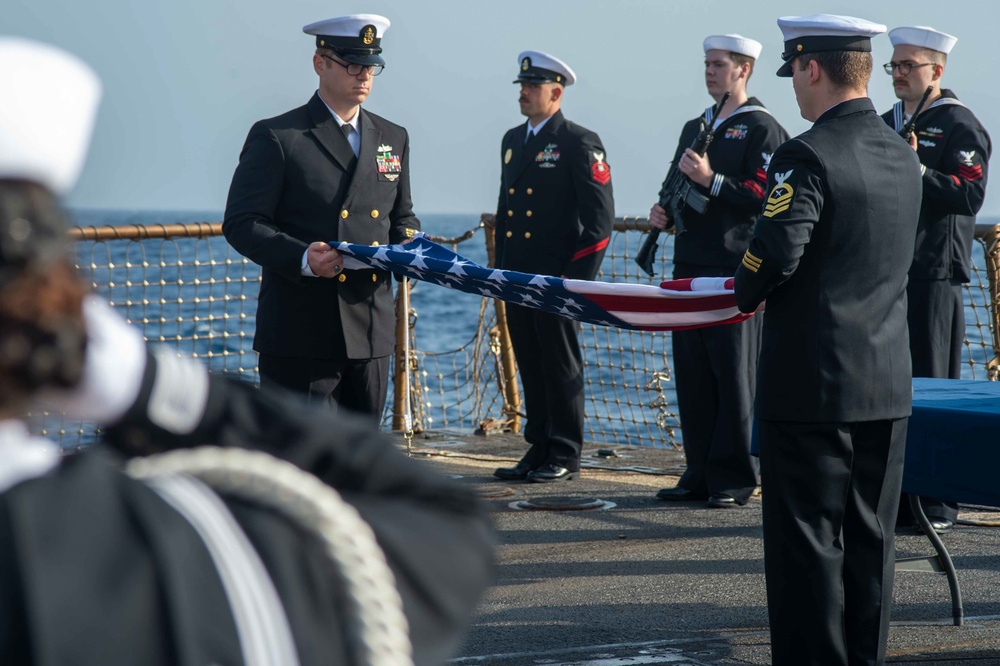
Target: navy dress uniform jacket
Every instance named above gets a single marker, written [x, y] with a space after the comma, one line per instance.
[556, 208]
[298, 182]
[554, 217]
[740, 154]
[954, 150]
[830, 254]
[96, 568]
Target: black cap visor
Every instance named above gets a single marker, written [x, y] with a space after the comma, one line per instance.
[807, 45]
[353, 49]
[540, 75]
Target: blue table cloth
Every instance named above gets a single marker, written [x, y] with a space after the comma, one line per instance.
[953, 441]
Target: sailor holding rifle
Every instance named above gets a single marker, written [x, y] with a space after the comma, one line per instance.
[716, 366]
[954, 150]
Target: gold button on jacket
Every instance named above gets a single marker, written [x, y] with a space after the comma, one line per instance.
[343, 214]
[342, 277]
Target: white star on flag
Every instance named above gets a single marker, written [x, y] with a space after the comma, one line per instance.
[674, 305]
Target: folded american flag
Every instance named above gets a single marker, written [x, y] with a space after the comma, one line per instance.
[673, 306]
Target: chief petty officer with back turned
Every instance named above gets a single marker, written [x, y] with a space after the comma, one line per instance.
[554, 217]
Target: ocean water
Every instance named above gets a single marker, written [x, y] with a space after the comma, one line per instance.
[447, 319]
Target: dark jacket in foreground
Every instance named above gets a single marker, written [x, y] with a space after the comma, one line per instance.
[954, 151]
[831, 253]
[298, 182]
[97, 569]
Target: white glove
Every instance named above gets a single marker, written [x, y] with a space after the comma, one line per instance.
[112, 372]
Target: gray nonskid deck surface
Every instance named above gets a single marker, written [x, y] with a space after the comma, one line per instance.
[651, 582]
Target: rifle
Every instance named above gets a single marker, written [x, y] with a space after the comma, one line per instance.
[678, 191]
[908, 128]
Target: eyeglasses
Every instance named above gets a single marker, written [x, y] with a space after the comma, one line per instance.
[353, 69]
[903, 67]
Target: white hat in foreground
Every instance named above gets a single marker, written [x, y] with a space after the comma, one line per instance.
[733, 44]
[924, 37]
[50, 100]
[818, 33]
[538, 67]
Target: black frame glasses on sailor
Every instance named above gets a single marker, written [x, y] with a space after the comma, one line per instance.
[904, 67]
[354, 69]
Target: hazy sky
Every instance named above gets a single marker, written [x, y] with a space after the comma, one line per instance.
[185, 79]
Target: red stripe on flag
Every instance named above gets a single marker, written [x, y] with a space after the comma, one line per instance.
[731, 320]
[687, 284]
[596, 247]
[660, 304]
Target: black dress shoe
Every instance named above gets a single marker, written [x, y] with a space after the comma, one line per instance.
[549, 473]
[678, 494]
[941, 525]
[518, 472]
[722, 501]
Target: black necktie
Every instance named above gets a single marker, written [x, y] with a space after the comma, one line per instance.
[527, 137]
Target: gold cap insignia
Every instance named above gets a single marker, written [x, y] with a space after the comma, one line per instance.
[525, 64]
[322, 42]
[368, 34]
[799, 48]
[558, 79]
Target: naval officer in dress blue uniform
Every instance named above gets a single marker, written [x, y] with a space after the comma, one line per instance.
[954, 150]
[326, 171]
[834, 386]
[554, 217]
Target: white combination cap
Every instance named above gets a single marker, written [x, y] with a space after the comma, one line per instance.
[817, 33]
[734, 44]
[356, 38]
[47, 116]
[538, 67]
[924, 37]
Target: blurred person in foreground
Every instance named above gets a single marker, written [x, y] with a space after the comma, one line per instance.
[288, 536]
[954, 150]
[833, 385]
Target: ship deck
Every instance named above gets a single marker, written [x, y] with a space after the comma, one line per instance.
[642, 581]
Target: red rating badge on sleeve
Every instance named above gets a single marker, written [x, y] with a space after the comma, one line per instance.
[599, 170]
